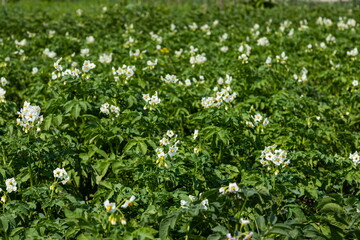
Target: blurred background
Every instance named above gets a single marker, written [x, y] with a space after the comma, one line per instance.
[220, 3]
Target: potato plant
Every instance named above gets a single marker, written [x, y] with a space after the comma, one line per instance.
[179, 120]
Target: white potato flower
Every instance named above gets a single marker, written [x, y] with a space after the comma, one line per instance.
[34, 70]
[87, 66]
[48, 53]
[20, 43]
[205, 204]
[244, 58]
[105, 58]
[196, 134]
[109, 206]
[3, 81]
[233, 188]
[244, 222]
[90, 40]
[263, 41]
[198, 59]
[353, 52]
[11, 185]
[172, 151]
[355, 157]
[84, 52]
[268, 61]
[129, 202]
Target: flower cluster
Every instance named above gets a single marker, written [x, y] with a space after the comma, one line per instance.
[344, 23]
[3, 91]
[354, 52]
[87, 66]
[137, 53]
[21, 43]
[282, 58]
[151, 101]
[243, 58]
[29, 116]
[198, 59]
[276, 156]
[107, 109]
[204, 204]
[151, 64]
[168, 148]
[84, 52]
[257, 119]
[355, 157]
[263, 41]
[247, 235]
[186, 203]
[74, 72]
[111, 208]
[324, 21]
[245, 48]
[232, 188]
[156, 37]
[62, 175]
[125, 71]
[48, 53]
[169, 79]
[105, 58]
[302, 77]
[222, 96]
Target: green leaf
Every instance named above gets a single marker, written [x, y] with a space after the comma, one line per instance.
[101, 168]
[332, 207]
[129, 145]
[151, 143]
[4, 223]
[69, 105]
[144, 232]
[221, 229]
[75, 111]
[260, 222]
[279, 231]
[143, 147]
[57, 120]
[16, 231]
[215, 236]
[168, 222]
[48, 121]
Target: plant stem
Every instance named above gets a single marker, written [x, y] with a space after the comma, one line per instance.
[238, 215]
[187, 234]
[31, 175]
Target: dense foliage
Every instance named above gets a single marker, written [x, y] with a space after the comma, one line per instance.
[136, 121]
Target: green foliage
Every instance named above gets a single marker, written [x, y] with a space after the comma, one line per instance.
[186, 184]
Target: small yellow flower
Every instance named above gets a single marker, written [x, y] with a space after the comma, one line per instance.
[164, 50]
